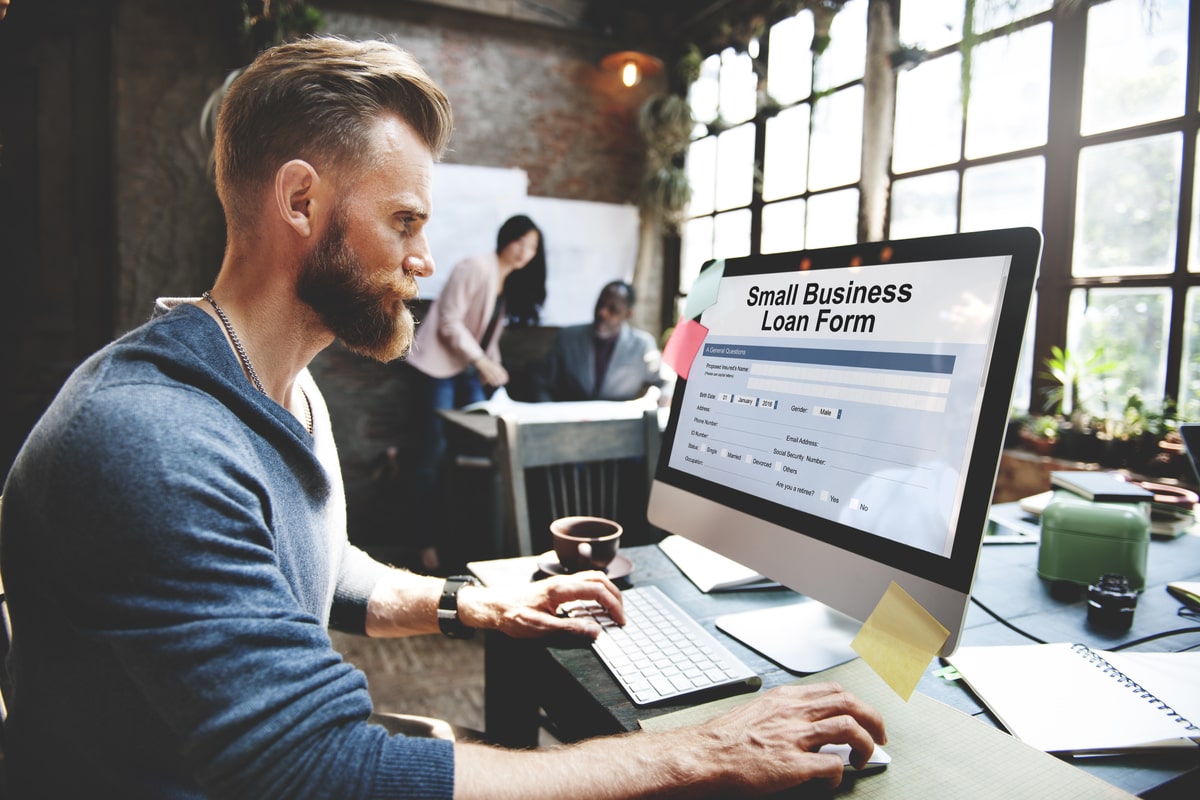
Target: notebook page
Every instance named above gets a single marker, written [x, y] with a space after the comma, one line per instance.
[1174, 678]
[1056, 700]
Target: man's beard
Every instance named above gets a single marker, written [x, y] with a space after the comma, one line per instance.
[369, 318]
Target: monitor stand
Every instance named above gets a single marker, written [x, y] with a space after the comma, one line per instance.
[801, 637]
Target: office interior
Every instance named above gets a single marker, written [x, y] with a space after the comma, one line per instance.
[106, 201]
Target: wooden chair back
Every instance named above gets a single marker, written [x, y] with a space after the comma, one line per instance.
[552, 469]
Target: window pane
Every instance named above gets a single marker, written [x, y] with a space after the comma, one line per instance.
[928, 130]
[1128, 328]
[1194, 246]
[832, 219]
[931, 24]
[1189, 391]
[731, 234]
[789, 70]
[1010, 93]
[702, 175]
[846, 57]
[785, 162]
[1136, 63]
[1022, 399]
[739, 87]
[783, 226]
[989, 16]
[836, 139]
[1128, 207]
[695, 248]
[735, 167]
[925, 206]
[1005, 195]
[703, 95]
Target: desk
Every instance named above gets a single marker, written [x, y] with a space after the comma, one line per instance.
[580, 698]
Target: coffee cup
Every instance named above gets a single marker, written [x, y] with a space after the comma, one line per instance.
[585, 542]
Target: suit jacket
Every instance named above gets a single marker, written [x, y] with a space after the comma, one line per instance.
[568, 374]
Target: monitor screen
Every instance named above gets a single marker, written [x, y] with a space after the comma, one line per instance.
[840, 425]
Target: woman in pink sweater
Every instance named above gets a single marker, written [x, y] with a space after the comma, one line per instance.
[456, 356]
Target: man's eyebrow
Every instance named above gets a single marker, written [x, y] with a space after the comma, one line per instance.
[414, 210]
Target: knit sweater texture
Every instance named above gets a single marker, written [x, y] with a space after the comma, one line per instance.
[174, 548]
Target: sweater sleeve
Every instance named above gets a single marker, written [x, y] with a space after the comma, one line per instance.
[357, 576]
[462, 316]
[167, 581]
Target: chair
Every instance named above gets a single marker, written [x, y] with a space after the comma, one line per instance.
[552, 469]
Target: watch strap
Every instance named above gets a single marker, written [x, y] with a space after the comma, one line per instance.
[447, 614]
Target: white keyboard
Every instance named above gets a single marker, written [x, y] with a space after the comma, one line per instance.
[661, 653]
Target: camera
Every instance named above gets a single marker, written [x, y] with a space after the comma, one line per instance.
[1111, 602]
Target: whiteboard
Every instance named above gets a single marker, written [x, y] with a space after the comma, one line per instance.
[587, 243]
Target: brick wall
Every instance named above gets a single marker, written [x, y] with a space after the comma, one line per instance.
[524, 97]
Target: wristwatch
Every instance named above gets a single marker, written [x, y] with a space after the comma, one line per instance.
[447, 614]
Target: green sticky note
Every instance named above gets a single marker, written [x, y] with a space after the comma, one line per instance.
[899, 640]
[704, 289]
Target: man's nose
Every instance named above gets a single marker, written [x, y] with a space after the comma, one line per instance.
[420, 262]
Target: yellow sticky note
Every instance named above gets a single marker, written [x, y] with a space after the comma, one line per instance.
[899, 640]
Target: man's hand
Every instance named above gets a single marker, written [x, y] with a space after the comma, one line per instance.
[531, 610]
[780, 732]
[764, 746]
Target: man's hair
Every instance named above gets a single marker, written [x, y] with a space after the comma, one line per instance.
[624, 287]
[314, 99]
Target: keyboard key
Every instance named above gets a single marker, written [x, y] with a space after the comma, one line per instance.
[662, 653]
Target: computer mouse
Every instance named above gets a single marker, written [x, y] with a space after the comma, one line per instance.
[878, 760]
[1186, 592]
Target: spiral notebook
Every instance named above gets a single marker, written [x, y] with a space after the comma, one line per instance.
[1070, 699]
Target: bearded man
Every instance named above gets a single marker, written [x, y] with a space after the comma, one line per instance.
[174, 529]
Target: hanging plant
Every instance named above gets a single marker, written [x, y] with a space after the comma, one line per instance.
[265, 23]
[271, 22]
[666, 124]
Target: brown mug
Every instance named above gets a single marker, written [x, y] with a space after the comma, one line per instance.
[585, 542]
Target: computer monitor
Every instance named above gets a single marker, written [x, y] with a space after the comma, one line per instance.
[839, 428]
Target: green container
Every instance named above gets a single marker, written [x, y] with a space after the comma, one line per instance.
[1082, 540]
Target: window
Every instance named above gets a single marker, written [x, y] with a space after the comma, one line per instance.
[1076, 121]
[785, 177]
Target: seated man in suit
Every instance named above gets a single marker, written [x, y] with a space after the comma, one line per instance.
[607, 359]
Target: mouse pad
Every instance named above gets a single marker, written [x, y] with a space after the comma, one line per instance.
[936, 750]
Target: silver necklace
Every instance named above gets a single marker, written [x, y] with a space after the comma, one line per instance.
[245, 359]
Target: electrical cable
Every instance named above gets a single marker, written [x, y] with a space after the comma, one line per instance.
[1154, 636]
[1005, 622]
[1123, 646]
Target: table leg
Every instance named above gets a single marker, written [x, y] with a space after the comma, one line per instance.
[510, 711]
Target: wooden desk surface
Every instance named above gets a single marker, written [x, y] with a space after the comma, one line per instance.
[569, 682]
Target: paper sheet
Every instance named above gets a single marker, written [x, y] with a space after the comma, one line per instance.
[899, 640]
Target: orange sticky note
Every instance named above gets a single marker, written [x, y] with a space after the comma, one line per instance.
[899, 640]
[681, 348]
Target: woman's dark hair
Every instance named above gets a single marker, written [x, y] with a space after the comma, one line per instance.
[524, 289]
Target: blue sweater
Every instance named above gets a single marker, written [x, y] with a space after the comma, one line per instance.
[173, 549]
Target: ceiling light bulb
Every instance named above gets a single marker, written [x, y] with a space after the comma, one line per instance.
[629, 74]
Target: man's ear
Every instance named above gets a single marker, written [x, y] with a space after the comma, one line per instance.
[295, 195]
